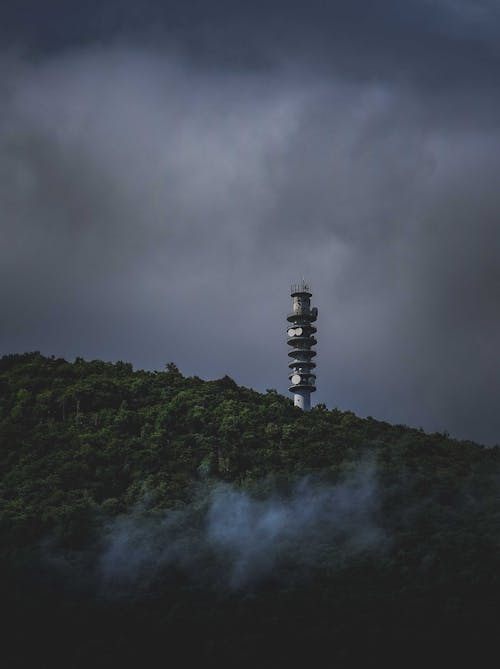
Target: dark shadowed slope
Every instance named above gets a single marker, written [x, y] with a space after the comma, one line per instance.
[144, 511]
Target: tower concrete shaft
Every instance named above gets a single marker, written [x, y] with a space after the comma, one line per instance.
[301, 338]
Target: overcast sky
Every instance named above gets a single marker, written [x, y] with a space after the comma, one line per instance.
[167, 169]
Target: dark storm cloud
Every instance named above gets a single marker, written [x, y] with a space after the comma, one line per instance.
[436, 43]
[155, 204]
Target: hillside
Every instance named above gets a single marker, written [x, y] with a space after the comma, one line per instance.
[146, 511]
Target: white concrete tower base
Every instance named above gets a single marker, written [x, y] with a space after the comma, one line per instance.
[302, 400]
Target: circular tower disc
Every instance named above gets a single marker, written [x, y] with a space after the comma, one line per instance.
[292, 332]
[296, 379]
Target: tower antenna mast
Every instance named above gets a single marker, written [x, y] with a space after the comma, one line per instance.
[300, 337]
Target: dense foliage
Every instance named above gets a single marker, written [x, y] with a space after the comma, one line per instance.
[85, 442]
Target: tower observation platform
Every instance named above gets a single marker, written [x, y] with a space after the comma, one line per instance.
[300, 337]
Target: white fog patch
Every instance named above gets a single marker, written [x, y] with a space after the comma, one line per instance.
[228, 538]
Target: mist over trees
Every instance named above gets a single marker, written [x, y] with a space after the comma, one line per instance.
[142, 510]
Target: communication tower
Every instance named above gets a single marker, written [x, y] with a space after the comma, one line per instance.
[301, 338]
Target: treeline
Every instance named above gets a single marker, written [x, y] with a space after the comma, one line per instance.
[87, 441]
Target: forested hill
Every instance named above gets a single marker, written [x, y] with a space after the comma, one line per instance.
[85, 435]
[223, 508]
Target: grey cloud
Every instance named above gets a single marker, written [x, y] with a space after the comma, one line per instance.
[155, 210]
[434, 44]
